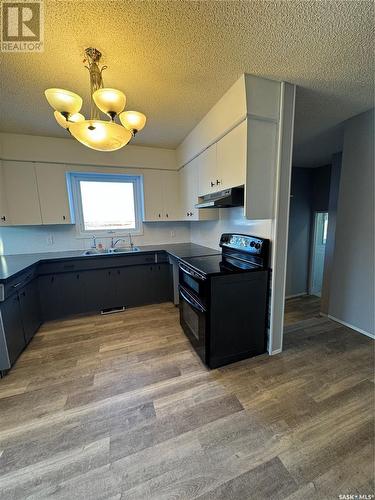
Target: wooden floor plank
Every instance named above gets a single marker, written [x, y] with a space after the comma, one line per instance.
[121, 407]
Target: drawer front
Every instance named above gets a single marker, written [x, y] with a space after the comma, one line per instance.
[16, 283]
[102, 262]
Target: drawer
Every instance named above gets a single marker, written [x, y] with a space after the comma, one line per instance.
[103, 262]
[17, 282]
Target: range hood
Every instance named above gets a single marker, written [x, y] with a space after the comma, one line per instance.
[233, 197]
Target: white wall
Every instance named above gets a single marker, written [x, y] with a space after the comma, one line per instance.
[56, 150]
[352, 281]
[231, 220]
[27, 239]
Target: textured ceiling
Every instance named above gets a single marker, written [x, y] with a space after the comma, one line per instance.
[175, 59]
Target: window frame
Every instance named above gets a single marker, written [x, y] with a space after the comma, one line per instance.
[74, 181]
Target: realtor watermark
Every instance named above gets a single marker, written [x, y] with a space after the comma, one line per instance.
[22, 26]
[356, 496]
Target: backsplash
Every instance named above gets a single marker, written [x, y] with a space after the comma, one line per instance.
[231, 220]
[34, 239]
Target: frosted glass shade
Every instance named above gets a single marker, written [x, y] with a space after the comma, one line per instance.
[133, 120]
[100, 135]
[77, 117]
[109, 100]
[64, 101]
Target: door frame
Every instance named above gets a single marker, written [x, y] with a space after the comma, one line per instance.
[312, 251]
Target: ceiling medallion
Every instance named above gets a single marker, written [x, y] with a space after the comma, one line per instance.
[102, 135]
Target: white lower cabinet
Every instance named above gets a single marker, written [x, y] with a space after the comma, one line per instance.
[53, 194]
[161, 196]
[21, 190]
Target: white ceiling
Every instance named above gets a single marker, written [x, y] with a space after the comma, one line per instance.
[175, 59]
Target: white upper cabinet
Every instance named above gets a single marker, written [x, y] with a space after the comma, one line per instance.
[4, 216]
[161, 196]
[53, 194]
[189, 194]
[171, 198]
[21, 190]
[208, 179]
[232, 156]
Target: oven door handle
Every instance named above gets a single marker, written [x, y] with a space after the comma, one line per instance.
[193, 275]
[194, 304]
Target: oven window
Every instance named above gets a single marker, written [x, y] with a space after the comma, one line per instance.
[191, 318]
[190, 282]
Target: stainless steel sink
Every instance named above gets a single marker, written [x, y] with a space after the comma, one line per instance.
[106, 251]
[123, 250]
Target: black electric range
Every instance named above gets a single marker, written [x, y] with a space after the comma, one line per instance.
[224, 298]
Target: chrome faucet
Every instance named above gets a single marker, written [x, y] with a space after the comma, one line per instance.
[114, 243]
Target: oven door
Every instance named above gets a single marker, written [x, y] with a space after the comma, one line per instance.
[193, 282]
[193, 320]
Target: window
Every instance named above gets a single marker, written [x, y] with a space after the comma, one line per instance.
[107, 203]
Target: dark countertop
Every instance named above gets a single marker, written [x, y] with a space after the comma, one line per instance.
[11, 265]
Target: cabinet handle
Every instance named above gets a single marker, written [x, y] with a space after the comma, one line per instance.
[77, 276]
[3, 218]
[218, 182]
[187, 213]
[64, 218]
[159, 215]
[166, 215]
[69, 266]
[212, 184]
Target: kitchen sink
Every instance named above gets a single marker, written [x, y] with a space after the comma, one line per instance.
[106, 251]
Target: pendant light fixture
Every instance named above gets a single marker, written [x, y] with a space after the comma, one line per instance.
[102, 135]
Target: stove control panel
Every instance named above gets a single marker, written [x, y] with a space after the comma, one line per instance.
[243, 242]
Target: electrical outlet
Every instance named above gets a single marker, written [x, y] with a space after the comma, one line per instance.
[173, 234]
[50, 239]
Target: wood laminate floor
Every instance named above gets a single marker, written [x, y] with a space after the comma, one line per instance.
[301, 308]
[120, 407]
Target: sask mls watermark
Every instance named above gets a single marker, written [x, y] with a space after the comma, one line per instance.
[22, 26]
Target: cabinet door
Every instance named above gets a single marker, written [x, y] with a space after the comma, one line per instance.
[100, 289]
[164, 283]
[231, 157]
[171, 198]
[4, 216]
[208, 174]
[133, 285]
[50, 299]
[22, 193]
[53, 194]
[30, 309]
[72, 293]
[153, 195]
[13, 328]
[184, 197]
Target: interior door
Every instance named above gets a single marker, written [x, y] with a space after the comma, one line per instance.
[318, 252]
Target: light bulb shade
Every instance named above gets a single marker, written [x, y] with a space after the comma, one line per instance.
[64, 101]
[100, 135]
[133, 120]
[64, 123]
[109, 100]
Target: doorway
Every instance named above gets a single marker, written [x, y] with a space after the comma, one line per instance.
[318, 249]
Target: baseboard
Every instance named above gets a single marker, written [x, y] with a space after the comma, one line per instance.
[359, 330]
[296, 295]
[276, 351]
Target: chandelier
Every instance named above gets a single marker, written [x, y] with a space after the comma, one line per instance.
[102, 135]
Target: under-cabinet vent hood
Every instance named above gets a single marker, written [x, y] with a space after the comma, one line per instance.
[233, 197]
